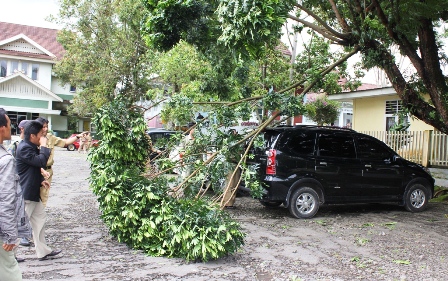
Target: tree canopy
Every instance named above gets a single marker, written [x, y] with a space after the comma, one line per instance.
[105, 52]
[372, 29]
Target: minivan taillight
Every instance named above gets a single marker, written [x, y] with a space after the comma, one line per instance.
[270, 165]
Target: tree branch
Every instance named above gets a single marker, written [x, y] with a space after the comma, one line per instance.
[401, 40]
[341, 20]
[331, 67]
[433, 78]
[320, 30]
[325, 25]
[409, 96]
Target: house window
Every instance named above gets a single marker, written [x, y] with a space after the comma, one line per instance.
[393, 106]
[72, 88]
[3, 68]
[24, 68]
[35, 72]
[393, 109]
[14, 66]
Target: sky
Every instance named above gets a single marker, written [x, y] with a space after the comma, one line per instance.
[29, 12]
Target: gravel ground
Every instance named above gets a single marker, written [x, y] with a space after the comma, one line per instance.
[356, 242]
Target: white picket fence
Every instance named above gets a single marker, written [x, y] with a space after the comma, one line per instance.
[428, 148]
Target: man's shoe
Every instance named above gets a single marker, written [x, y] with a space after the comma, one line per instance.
[24, 242]
[20, 259]
[52, 254]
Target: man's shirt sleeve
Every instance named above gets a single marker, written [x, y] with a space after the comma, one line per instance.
[8, 199]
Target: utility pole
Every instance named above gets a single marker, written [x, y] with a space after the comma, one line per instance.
[291, 69]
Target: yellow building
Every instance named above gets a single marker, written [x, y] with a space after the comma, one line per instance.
[377, 109]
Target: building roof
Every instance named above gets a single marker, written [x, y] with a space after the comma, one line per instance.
[281, 47]
[366, 93]
[43, 37]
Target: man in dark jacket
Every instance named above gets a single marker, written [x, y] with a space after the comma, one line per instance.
[30, 160]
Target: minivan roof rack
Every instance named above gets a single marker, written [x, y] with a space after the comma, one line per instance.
[336, 128]
[325, 127]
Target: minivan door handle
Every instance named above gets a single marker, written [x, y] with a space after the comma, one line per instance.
[323, 163]
[368, 166]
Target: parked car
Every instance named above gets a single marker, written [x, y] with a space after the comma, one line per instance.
[159, 137]
[303, 167]
[74, 146]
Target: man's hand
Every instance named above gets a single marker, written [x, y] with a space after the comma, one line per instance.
[8, 247]
[43, 141]
[44, 173]
[45, 184]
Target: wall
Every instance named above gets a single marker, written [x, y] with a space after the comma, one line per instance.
[59, 123]
[369, 115]
[62, 91]
[44, 74]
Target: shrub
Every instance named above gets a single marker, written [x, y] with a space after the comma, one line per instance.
[322, 111]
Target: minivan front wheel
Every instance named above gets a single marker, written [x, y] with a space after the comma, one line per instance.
[416, 198]
[304, 203]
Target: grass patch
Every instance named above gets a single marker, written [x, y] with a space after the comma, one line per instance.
[405, 262]
[440, 194]
[390, 225]
[362, 241]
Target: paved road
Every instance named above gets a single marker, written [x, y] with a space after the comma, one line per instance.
[361, 242]
[441, 176]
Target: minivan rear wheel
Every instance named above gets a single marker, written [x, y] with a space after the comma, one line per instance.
[416, 198]
[304, 203]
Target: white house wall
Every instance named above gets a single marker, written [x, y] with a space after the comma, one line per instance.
[58, 89]
[44, 75]
[59, 123]
[17, 90]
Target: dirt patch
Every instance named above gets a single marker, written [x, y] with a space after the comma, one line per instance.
[364, 242]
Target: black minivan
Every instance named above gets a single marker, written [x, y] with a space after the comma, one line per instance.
[303, 167]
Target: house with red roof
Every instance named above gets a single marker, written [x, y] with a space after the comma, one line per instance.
[28, 87]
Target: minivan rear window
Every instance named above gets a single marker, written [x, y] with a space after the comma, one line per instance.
[270, 137]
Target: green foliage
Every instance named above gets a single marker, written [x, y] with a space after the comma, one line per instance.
[180, 66]
[178, 110]
[104, 52]
[169, 21]
[322, 110]
[251, 25]
[139, 211]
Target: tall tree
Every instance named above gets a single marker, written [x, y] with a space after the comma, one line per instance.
[371, 28]
[105, 52]
[236, 53]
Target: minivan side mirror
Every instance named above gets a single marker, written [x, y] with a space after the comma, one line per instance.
[395, 158]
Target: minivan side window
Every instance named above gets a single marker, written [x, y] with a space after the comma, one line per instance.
[300, 142]
[336, 145]
[371, 148]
